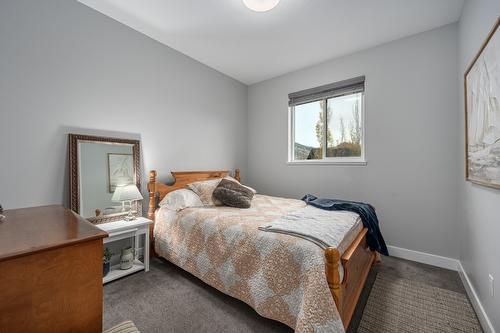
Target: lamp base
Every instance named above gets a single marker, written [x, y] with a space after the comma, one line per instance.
[130, 218]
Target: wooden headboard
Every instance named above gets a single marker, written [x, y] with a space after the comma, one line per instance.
[157, 191]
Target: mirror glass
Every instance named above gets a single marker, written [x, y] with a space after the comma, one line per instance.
[103, 168]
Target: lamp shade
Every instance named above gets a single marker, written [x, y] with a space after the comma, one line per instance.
[126, 193]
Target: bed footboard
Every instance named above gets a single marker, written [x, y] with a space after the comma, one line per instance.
[357, 261]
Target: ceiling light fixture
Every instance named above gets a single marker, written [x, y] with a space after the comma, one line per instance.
[261, 5]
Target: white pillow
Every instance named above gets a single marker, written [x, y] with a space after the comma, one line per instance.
[180, 199]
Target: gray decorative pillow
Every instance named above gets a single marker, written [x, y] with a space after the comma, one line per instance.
[233, 194]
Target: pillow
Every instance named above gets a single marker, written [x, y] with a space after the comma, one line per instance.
[180, 199]
[204, 189]
[235, 180]
[233, 194]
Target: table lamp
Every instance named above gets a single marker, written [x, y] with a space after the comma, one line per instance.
[127, 193]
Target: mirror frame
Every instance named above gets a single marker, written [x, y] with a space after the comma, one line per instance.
[74, 183]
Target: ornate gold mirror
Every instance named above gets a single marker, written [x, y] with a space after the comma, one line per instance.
[104, 177]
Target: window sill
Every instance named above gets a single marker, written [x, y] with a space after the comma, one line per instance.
[323, 162]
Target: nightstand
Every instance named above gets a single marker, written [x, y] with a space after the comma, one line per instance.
[128, 229]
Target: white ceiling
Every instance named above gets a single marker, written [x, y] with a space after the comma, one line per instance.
[253, 47]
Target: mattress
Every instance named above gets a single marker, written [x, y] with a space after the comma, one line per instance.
[281, 276]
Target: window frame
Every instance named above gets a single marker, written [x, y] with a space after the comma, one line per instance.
[359, 161]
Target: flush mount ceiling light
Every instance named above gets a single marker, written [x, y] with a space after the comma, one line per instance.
[261, 5]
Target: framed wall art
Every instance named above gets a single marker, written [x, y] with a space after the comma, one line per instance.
[121, 170]
[482, 113]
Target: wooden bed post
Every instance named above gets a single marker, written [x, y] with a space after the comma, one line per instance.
[151, 209]
[152, 192]
[332, 256]
[237, 175]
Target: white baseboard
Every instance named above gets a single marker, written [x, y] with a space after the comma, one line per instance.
[425, 258]
[474, 299]
[448, 263]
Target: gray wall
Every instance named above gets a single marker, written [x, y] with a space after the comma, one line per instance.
[411, 125]
[67, 68]
[479, 206]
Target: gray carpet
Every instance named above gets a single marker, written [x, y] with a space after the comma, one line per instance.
[398, 305]
[168, 299]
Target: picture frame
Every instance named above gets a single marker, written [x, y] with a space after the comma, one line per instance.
[120, 170]
[482, 113]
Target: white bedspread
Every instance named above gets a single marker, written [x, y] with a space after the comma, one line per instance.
[322, 227]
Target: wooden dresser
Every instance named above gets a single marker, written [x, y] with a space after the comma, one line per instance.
[50, 272]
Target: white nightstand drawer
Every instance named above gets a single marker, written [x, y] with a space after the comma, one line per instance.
[120, 235]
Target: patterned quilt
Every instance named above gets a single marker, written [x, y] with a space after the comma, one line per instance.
[282, 277]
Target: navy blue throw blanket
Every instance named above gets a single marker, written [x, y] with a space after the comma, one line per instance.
[365, 211]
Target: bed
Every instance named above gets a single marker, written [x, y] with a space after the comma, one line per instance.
[282, 277]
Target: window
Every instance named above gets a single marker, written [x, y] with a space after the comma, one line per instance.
[326, 124]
